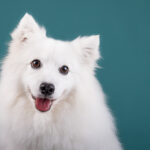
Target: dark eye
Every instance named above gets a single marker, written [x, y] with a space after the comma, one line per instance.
[36, 64]
[64, 70]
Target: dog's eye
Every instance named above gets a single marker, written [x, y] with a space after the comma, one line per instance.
[36, 64]
[64, 70]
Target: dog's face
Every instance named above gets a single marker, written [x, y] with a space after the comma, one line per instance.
[50, 73]
[51, 68]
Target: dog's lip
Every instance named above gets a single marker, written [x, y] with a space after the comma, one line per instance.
[42, 98]
[33, 97]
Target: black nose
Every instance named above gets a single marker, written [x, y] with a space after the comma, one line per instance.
[47, 89]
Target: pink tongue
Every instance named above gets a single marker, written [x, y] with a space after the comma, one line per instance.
[43, 104]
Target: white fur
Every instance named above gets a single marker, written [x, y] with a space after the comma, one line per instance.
[78, 120]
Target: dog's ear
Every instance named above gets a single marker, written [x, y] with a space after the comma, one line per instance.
[89, 48]
[26, 28]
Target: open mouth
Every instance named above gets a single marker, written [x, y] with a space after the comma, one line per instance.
[43, 104]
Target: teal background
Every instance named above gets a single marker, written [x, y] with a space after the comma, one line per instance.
[125, 47]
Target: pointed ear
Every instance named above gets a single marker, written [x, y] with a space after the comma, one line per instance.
[26, 27]
[89, 48]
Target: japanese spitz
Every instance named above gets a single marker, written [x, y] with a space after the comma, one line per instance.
[49, 96]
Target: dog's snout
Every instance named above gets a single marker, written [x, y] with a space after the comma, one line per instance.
[47, 89]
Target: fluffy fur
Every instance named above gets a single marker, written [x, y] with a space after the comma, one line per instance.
[79, 118]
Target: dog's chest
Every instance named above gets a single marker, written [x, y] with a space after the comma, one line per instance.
[43, 134]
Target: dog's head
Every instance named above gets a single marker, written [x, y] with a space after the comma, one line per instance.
[50, 69]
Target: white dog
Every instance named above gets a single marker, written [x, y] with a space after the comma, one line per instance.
[49, 96]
